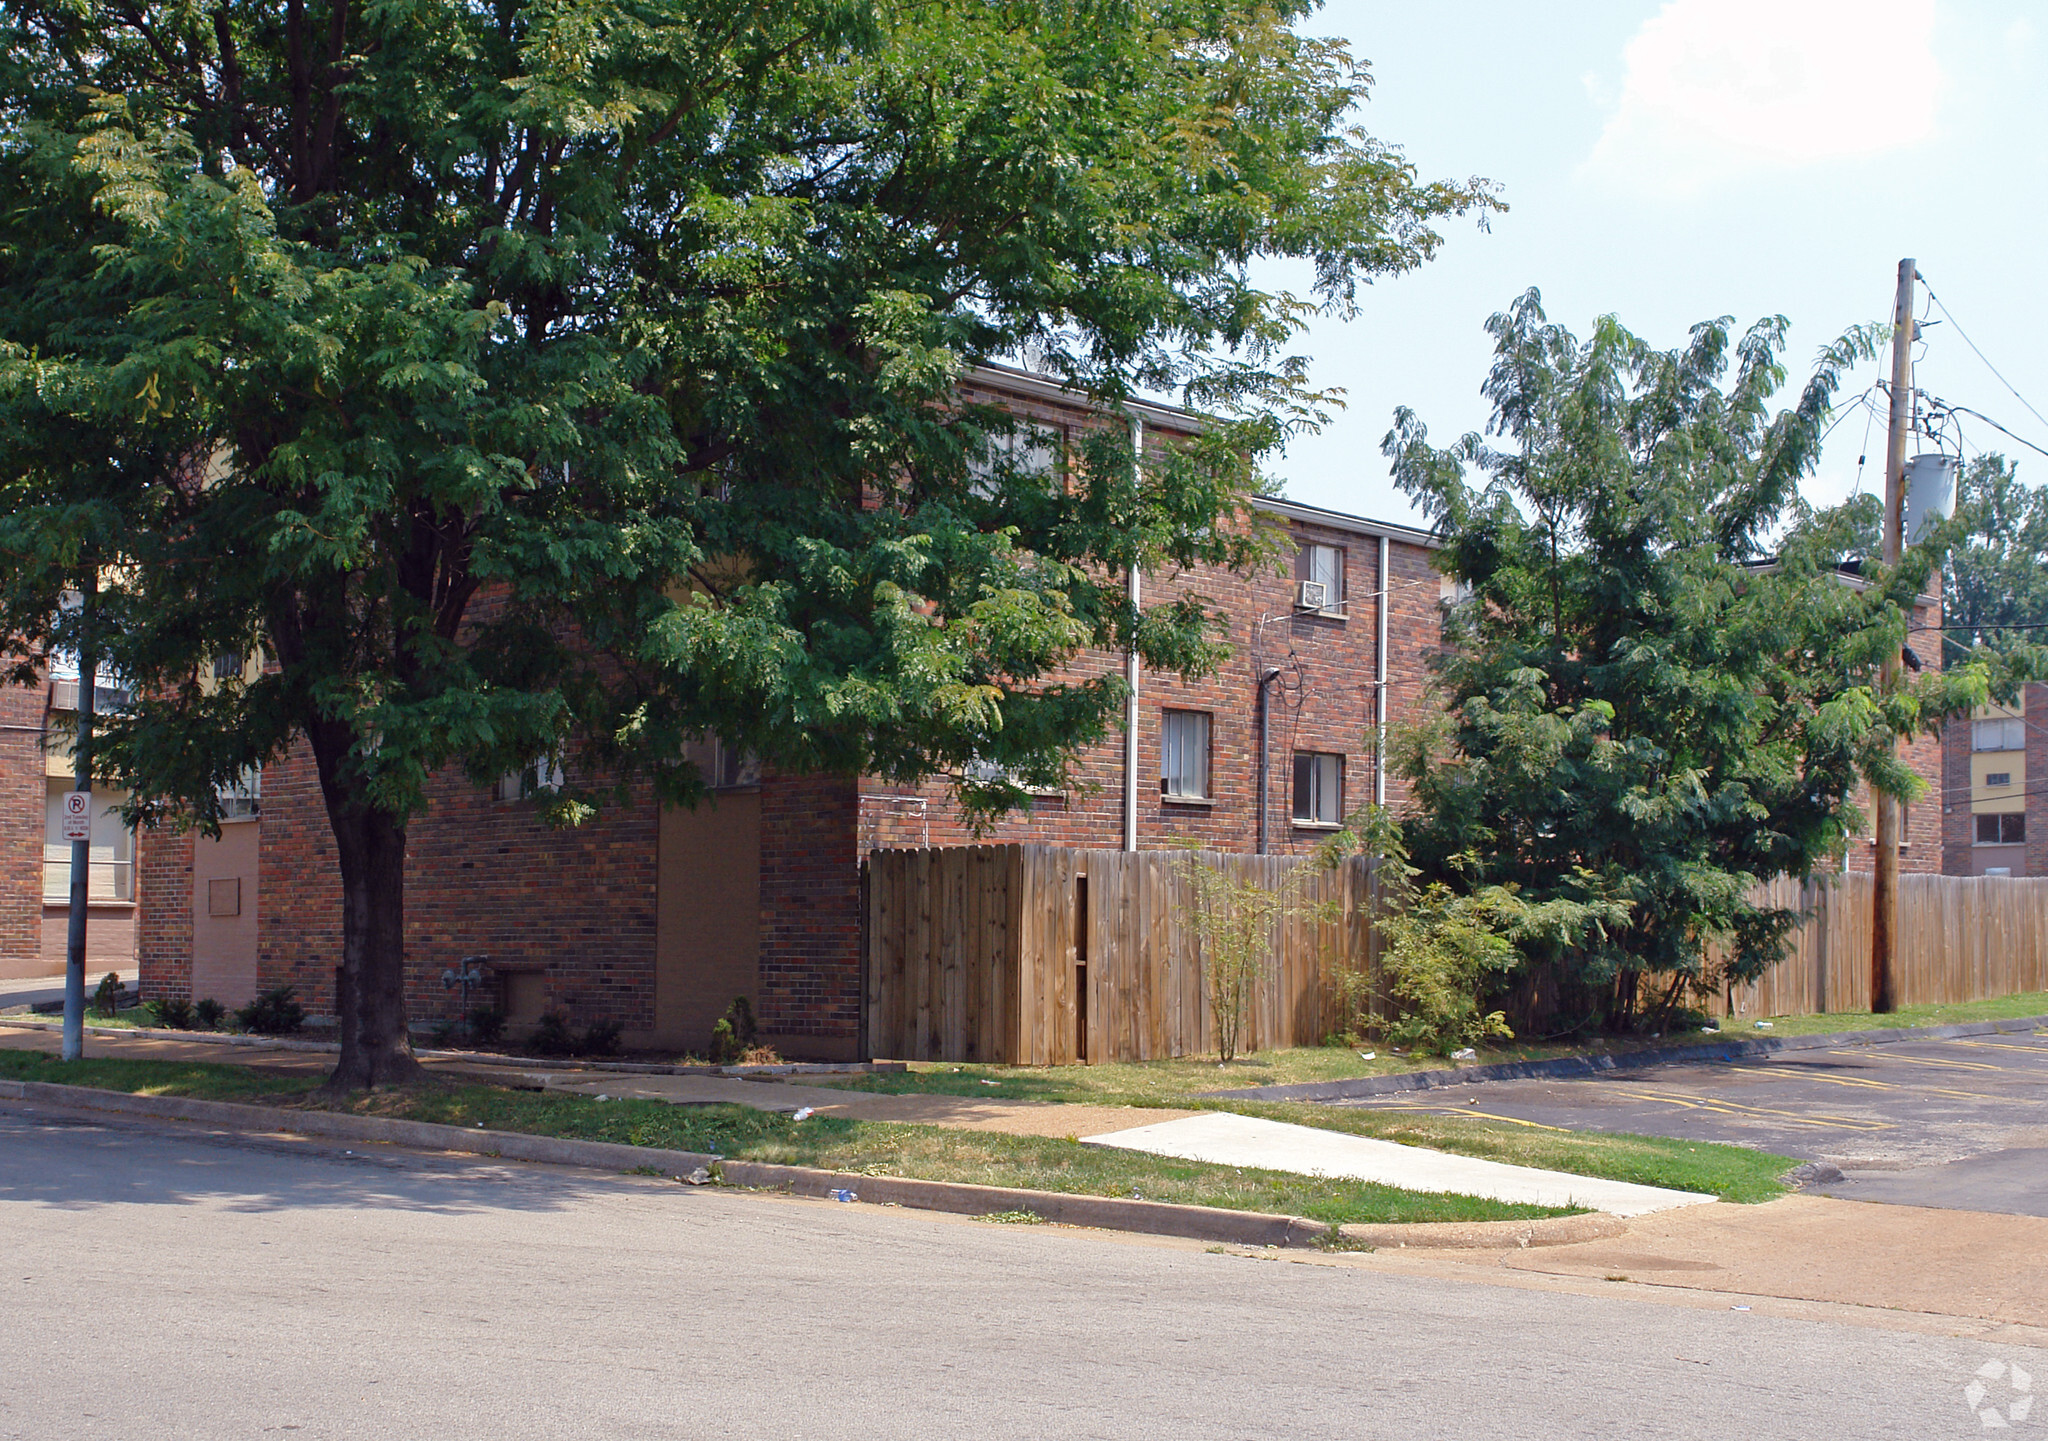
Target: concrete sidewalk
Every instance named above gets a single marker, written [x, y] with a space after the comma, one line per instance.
[1225, 1139]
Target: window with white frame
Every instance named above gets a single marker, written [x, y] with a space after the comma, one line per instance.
[2007, 733]
[242, 798]
[732, 767]
[1319, 578]
[1184, 755]
[1318, 789]
[2008, 829]
[1028, 451]
[110, 853]
[540, 776]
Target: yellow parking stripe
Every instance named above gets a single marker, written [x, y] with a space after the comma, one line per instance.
[1797, 1118]
[1930, 1061]
[1868, 1083]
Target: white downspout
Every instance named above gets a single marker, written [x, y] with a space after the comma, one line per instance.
[1131, 670]
[1379, 689]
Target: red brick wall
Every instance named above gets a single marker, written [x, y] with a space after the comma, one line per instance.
[483, 877]
[23, 796]
[809, 998]
[1324, 703]
[163, 923]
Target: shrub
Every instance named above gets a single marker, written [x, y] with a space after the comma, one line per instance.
[601, 1038]
[1235, 920]
[274, 1013]
[733, 1035]
[172, 1012]
[486, 1024]
[552, 1036]
[106, 997]
[208, 1014]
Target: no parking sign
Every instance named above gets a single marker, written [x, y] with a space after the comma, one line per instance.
[78, 815]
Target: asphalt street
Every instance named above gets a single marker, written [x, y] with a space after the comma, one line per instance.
[1959, 1124]
[167, 1282]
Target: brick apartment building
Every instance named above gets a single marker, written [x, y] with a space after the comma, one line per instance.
[657, 918]
[35, 860]
[1995, 778]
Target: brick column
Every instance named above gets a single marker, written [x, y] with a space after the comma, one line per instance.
[810, 916]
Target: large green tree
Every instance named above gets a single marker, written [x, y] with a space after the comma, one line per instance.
[1661, 681]
[1995, 585]
[574, 377]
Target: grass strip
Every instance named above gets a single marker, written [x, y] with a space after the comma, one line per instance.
[931, 1153]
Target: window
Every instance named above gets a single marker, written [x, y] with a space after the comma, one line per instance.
[2006, 734]
[1027, 451]
[1318, 789]
[2009, 829]
[1998, 778]
[1184, 755]
[110, 855]
[1319, 579]
[732, 767]
[228, 665]
[543, 775]
[243, 799]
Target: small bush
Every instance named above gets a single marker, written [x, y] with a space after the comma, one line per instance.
[442, 1033]
[172, 1012]
[552, 1036]
[208, 1014]
[601, 1038]
[486, 1025]
[274, 1013]
[106, 997]
[733, 1035]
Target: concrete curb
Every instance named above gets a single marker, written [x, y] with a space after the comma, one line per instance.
[1570, 1066]
[1489, 1235]
[422, 1135]
[482, 1058]
[1109, 1213]
[1160, 1218]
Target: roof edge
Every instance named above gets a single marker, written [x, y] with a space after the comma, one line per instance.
[1341, 520]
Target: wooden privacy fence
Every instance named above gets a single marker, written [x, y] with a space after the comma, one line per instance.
[1037, 955]
[1961, 938]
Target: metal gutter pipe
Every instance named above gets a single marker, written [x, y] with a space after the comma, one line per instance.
[1379, 688]
[1131, 672]
[1265, 703]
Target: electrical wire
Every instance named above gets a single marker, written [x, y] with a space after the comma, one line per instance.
[1949, 315]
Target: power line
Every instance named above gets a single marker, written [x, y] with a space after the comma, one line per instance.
[1950, 317]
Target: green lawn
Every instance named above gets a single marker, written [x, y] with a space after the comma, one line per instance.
[862, 1147]
[1185, 1082]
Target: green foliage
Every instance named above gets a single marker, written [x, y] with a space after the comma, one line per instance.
[172, 1012]
[1996, 578]
[732, 1035]
[600, 1038]
[1646, 709]
[1442, 947]
[275, 1012]
[486, 1024]
[208, 1014]
[1236, 920]
[552, 1036]
[106, 996]
[318, 322]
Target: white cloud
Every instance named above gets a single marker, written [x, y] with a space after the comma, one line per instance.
[1714, 90]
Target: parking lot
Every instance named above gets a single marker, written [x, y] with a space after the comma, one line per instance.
[1959, 1123]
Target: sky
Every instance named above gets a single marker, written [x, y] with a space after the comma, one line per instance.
[1671, 163]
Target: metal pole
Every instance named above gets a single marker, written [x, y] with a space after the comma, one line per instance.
[1884, 891]
[81, 850]
[1379, 704]
[1131, 672]
[1265, 691]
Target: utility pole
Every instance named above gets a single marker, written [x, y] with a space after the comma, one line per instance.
[81, 849]
[1884, 916]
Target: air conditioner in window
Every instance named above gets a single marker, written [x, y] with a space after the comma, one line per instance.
[1312, 595]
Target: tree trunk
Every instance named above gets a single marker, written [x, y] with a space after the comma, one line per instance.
[369, 996]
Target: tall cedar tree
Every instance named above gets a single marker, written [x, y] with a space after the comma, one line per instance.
[1660, 684]
[571, 378]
